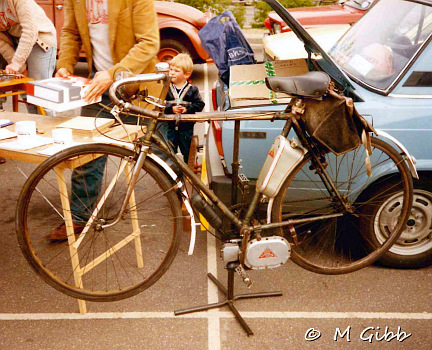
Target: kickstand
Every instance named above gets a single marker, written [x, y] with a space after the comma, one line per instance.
[230, 298]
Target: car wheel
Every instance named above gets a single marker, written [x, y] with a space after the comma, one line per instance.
[170, 48]
[413, 249]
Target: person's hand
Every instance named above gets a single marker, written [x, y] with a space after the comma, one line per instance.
[62, 72]
[179, 109]
[12, 68]
[100, 83]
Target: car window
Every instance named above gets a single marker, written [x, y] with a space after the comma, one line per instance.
[375, 51]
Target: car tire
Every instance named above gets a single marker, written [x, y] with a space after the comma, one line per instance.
[170, 48]
[413, 249]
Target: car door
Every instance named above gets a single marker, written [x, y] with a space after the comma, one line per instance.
[409, 109]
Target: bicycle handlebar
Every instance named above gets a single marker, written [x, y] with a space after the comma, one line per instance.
[199, 117]
[137, 79]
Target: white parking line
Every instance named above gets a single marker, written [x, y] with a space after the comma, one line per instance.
[213, 322]
[217, 315]
[212, 292]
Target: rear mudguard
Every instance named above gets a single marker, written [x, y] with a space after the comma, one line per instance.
[408, 158]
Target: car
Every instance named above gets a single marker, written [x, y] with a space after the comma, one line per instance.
[341, 12]
[385, 66]
[284, 46]
[178, 27]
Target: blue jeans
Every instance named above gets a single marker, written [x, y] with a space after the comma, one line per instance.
[86, 185]
[40, 65]
[87, 180]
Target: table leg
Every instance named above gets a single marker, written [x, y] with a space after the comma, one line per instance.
[70, 234]
[15, 103]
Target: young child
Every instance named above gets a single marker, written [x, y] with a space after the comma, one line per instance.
[181, 98]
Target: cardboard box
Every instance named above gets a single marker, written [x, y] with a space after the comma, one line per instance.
[247, 82]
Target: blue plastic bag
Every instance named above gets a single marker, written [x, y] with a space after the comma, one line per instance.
[224, 41]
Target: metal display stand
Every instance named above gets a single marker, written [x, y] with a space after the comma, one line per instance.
[229, 298]
[231, 266]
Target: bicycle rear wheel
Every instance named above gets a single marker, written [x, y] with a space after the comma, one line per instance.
[99, 265]
[348, 242]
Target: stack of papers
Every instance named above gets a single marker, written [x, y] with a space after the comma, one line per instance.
[29, 143]
[57, 148]
[6, 134]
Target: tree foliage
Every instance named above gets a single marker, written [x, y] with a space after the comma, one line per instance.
[261, 9]
[216, 7]
[239, 13]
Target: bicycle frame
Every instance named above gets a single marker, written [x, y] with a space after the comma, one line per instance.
[244, 225]
[343, 242]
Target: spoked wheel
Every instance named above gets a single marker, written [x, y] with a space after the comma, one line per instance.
[346, 242]
[99, 264]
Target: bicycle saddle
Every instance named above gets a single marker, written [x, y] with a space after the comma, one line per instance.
[311, 84]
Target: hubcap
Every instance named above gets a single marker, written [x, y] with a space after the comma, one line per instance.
[416, 238]
[167, 54]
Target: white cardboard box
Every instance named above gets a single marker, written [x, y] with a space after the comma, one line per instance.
[58, 94]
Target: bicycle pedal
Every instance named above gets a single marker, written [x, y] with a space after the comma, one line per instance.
[244, 276]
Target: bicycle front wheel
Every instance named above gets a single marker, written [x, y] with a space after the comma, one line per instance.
[84, 186]
[347, 241]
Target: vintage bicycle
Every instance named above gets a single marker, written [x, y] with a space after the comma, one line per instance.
[311, 205]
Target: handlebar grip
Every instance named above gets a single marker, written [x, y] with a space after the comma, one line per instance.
[141, 78]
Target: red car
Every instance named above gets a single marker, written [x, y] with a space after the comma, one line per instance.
[178, 26]
[342, 12]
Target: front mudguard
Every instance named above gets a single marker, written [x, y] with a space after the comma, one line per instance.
[185, 197]
[408, 158]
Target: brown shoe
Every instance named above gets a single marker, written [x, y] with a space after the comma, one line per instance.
[59, 233]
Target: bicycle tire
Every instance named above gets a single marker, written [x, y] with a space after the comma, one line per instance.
[344, 244]
[153, 220]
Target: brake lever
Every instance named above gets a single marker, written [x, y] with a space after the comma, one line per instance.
[115, 111]
[154, 101]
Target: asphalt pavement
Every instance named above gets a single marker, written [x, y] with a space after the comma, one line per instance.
[375, 308]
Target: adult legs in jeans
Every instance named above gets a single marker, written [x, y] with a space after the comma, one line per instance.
[40, 65]
[86, 185]
[87, 180]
